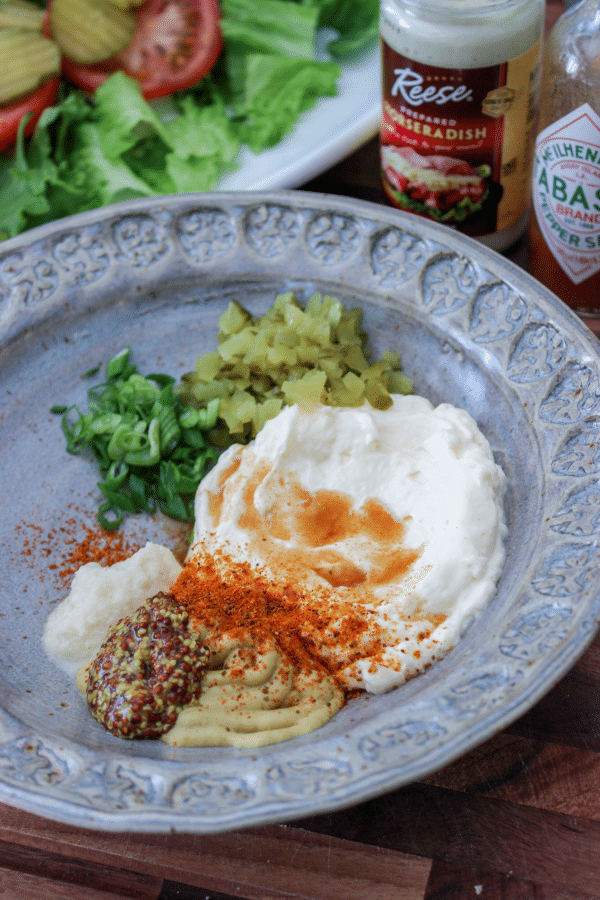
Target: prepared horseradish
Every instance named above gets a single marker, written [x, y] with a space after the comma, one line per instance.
[342, 549]
[460, 98]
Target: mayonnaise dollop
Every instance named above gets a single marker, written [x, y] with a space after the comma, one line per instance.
[397, 513]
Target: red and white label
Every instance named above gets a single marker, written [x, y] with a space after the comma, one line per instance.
[456, 144]
[566, 191]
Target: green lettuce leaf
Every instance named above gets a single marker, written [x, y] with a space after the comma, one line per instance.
[19, 200]
[124, 117]
[204, 145]
[32, 188]
[356, 22]
[89, 152]
[114, 179]
[270, 26]
[277, 91]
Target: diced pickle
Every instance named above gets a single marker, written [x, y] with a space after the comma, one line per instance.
[355, 359]
[307, 391]
[208, 366]
[266, 410]
[235, 346]
[400, 383]
[127, 4]
[289, 355]
[233, 319]
[353, 384]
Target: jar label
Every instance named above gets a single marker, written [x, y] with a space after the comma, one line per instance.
[566, 191]
[457, 144]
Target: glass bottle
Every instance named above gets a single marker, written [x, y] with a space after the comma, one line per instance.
[461, 83]
[564, 234]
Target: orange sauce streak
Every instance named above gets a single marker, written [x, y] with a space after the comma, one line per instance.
[315, 524]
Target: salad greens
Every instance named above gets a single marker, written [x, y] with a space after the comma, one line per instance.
[89, 152]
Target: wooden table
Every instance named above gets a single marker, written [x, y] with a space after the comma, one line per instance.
[518, 818]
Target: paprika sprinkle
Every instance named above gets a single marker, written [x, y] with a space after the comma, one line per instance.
[317, 631]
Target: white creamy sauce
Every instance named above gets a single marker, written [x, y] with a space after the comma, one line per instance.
[399, 511]
[99, 597]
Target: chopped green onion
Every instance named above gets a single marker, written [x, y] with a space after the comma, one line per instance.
[116, 475]
[140, 491]
[149, 454]
[116, 365]
[161, 379]
[105, 423]
[188, 419]
[193, 438]
[118, 499]
[207, 418]
[169, 429]
[109, 524]
[176, 508]
[151, 448]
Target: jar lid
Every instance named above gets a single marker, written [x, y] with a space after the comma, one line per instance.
[465, 9]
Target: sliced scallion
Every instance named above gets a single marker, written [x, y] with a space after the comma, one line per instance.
[151, 448]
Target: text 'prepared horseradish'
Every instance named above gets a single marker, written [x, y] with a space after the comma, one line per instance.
[460, 99]
[342, 549]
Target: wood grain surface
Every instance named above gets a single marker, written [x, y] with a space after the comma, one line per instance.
[517, 818]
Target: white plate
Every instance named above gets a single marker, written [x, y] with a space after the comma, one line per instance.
[333, 129]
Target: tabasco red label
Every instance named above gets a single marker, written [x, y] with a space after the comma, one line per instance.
[566, 193]
[457, 144]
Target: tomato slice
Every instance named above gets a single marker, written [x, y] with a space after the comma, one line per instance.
[36, 103]
[175, 44]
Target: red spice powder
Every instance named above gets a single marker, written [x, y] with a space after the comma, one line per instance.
[98, 545]
[315, 631]
[64, 542]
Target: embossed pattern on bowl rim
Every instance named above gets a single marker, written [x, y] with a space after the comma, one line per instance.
[493, 332]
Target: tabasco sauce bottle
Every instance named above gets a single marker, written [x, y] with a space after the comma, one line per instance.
[564, 236]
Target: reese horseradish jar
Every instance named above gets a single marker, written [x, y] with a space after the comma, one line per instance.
[461, 82]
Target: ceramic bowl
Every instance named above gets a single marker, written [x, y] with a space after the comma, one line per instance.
[472, 329]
